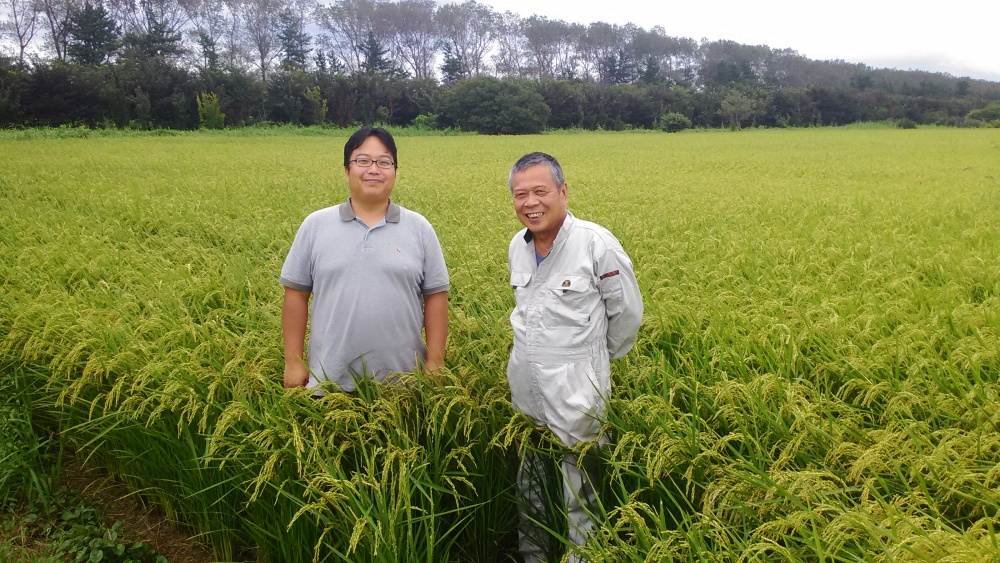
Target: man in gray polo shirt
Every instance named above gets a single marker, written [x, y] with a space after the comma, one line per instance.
[376, 275]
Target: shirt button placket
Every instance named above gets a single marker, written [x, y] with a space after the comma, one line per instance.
[365, 247]
[534, 326]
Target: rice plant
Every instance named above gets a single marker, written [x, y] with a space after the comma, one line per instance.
[815, 378]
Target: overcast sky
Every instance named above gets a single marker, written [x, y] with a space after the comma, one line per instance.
[959, 37]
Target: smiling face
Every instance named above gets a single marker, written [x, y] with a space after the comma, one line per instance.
[370, 185]
[539, 202]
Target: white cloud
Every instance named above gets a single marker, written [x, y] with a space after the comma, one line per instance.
[953, 37]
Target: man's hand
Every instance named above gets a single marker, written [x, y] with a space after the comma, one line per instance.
[296, 374]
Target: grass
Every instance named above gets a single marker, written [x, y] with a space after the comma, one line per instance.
[42, 519]
[815, 378]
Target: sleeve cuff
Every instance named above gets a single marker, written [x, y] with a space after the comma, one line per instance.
[438, 289]
[293, 285]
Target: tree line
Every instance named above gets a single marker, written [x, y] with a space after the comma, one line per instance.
[213, 63]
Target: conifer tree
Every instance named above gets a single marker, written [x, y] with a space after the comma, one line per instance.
[294, 41]
[93, 36]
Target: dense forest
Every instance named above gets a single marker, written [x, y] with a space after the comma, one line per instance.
[213, 63]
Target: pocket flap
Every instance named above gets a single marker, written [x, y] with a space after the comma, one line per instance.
[519, 279]
[568, 282]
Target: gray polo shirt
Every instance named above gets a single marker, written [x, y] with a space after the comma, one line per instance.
[367, 286]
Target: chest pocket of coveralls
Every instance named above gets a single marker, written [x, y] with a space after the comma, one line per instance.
[568, 301]
[519, 281]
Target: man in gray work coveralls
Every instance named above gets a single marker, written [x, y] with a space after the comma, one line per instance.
[578, 306]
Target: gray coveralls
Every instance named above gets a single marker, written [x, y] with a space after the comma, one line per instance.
[577, 310]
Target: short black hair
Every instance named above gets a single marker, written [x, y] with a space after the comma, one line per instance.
[361, 135]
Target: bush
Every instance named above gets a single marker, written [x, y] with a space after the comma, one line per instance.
[906, 123]
[495, 107]
[565, 100]
[210, 115]
[425, 122]
[672, 122]
[11, 86]
[988, 114]
[963, 122]
[316, 107]
[143, 110]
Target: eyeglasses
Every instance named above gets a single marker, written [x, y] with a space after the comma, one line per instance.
[365, 162]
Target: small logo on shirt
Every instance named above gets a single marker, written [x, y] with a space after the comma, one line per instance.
[398, 252]
[609, 274]
[565, 283]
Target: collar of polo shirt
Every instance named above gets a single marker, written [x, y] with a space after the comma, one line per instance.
[391, 214]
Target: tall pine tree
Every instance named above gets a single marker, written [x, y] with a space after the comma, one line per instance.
[294, 41]
[157, 42]
[93, 35]
[376, 59]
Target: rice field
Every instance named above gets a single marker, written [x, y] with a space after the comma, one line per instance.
[816, 377]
